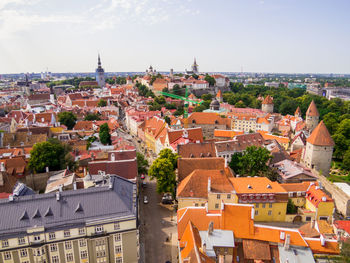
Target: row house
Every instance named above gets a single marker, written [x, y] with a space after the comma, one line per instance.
[248, 123]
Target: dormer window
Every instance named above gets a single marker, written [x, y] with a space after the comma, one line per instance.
[249, 186]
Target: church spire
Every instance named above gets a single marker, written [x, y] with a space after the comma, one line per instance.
[99, 61]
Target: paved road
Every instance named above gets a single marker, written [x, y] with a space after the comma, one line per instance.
[157, 227]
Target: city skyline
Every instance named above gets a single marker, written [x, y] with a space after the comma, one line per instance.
[256, 36]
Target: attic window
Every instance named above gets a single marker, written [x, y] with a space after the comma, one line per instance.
[249, 186]
[79, 208]
[37, 214]
[24, 216]
[48, 212]
[209, 154]
[193, 121]
[269, 186]
[191, 156]
[202, 155]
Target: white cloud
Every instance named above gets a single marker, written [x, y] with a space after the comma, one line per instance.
[15, 16]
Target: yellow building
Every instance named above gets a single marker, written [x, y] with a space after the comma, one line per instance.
[206, 188]
[212, 188]
[319, 202]
[71, 226]
[153, 127]
[269, 198]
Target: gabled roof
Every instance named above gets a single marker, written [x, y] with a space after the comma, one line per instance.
[208, 118]
[197, 150]
[312, 110]
[194, 134]
[196, 184]
[315, 195]
[297, 112]
[249, 185]
[188, 165]
[320, 136]
[268, 100]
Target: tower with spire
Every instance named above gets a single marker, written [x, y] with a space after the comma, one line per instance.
[267, 104]
[312, 117]
[195, 67]
[319, 149]
[100, 73]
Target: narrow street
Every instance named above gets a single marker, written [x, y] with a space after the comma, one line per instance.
[158, 227]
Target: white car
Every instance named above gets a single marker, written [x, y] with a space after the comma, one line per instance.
[145, 200]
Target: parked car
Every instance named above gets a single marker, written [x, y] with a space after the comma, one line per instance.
[167, 202]
[145, 200]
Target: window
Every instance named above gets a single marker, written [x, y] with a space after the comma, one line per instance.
[69, 257]
[118, 249]
[256, 212]
[55, 259]
[195, 204]
[119, 260]
[68, 245]
[23, 253]
[216, 206]
[21, 241]
[66, 233]
[308, 218]
[117, 237]
[99, 229]
[82, 242]
[83, 254]
[263, 205]
[5, 243]
[7, 255]
[270, 212]
[52, 236]
[257, 205]
[217, 196]
[81, 231]
[53, 247]
[228, 196]
[38, 252]
[36, 238]
[116, 226]
[270, 205]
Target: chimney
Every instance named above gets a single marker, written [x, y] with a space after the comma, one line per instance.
[60, 188]
[209, 185]
[287, 242]
[2, 167]
[47, 169]
[11, 198]
[313, 223]
[58, 195]
[84, 171]
[75, 185]
[206, 207]
[210, 228]
[204, 248]
[225, 162]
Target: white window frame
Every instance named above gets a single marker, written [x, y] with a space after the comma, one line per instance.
[5, 243]
[68, 245]
[23, 252]
[7, 255]
[99, 229]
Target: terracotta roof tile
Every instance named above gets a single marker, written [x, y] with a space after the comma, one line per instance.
[315, 195]
[320, 136]
[312, 110]
[197, 150]
[268, 100]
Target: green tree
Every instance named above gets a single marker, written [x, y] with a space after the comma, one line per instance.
[142, 163]
[92, 117]
[164, 172]
[163, 169]
[177, 90]
[291, 208]
[102, 103]
[67, 118]
[210, 80]
[252, 162]
[240, 104]
[331, 121]
[167, 120]
[105, 137]
[52, 154]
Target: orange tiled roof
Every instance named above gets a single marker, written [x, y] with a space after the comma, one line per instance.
[268, 100]
[312, 110]
[256, 185]
[208, 118]
[315, 195]
[320, 136]
[298, 111]
[296, 187]
[279, 139]
[227, 133]
[196, 184]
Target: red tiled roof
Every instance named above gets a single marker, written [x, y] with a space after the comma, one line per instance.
[315, 195]
[312, 110]
[320, 136]
[268, 100]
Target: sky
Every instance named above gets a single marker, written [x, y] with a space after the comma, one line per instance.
[285, 36]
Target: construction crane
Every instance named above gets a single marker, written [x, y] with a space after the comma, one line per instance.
[185, 99]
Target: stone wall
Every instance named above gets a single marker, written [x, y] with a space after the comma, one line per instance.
[37, 181]
[341, 200]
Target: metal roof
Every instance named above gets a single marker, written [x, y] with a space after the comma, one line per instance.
[105, 202]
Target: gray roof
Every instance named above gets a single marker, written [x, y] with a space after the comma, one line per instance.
[295, 254]
[75, 207]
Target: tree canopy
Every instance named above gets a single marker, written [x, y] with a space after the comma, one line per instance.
[67, 118]
[251, 162]
[105, 137]
[163, 169]
[210, 80]
[142, 163]
[92, 117]
[52, 154]
[102, 103]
